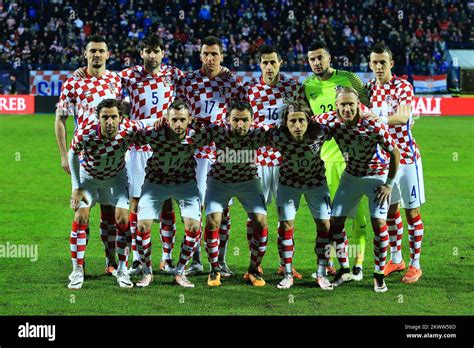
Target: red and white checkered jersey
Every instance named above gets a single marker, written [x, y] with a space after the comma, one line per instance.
[173, 160]
[80, 96]
[384, 101]
[302, 166]
[268, 104]
[359, 144]
[208, 99]
[235, 155]
[150, 95]
[103, 158]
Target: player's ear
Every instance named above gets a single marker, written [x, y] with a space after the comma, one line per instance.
[392, 63]
[108, 54]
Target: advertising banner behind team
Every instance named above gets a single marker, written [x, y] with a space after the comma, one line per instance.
[427, 84]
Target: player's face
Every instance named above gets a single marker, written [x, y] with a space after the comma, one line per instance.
[270, 65]
[211, 57]
[152, 57]
[347, 105]
[109, 119]
[381, 64]
[240, 121]
[297, 124]
[179, 120]
[96, 54]
[320, 61]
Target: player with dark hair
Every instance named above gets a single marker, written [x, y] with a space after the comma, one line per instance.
[391, 99]
[269, 94]
[79, 97]
[208, 91]
[171, 173]
[320, 91]
[234, 173]
[370, 150]
[102, 145]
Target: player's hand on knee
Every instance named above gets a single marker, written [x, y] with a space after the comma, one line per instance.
[76, 198]
[65, 164]
[383, 193]
[81, 72]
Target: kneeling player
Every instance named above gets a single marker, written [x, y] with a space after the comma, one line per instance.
[170, 173]
[235, 174]
[361, 141]
[302, 173]
[103, 145]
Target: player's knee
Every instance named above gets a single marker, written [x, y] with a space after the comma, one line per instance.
[287, 225]
[412, 213]
[143, 227]
[393, 208]
[260, 221]
[323, 225]
[378, 223]
[121, 217]
[81, 218]
[134, 205]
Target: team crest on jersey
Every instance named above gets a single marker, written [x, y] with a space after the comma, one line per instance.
[314, 148]
[388, 98]
[224, 91]
[167, 80]
[286, 97]
[360, 138]
[112, 87]
[139, 85]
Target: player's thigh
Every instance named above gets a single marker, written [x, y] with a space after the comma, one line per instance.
[348, 195]
[250, 195]
[136, 165]
[411, 185]
[187, 197]
[151, 201]
[218, 195]
[370, 184]
[203, 166]
[288, 202]
[116, 190]
[319, 202]
[334, 171]
[90, 187]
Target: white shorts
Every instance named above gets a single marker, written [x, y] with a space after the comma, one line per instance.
[249, 193]
[112, 191]
[270, 176]
[318, 199]
[409, 187]
[153, 196]
[135, 162]
[350, 191]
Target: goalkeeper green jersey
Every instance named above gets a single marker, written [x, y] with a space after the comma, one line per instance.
[322, 98]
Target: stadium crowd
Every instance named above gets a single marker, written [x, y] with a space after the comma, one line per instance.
[42, 34]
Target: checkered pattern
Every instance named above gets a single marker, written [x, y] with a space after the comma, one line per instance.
[235, 160]
[172, 161]
[268, 104]
[80, 96]
[208, 99]
[384, 101]
[103, 158]
[150, 95]
[302, 166]
[361, 144]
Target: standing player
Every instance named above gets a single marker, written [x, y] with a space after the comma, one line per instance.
[302, 173]
[208, 91]
[365, 174]
[234, 174]
[269, 96]
[320, 91]
[151, 88]
[79, 97]
[171, 173]
[391, 100]
[102, 145]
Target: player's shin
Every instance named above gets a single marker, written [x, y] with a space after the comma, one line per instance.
[122, 230]
[144, 249]
[167, 234]
[323, 250]
[133, 231]
[380, 246]
[287, 248]
[77, 244]
[211, 238]
[189, 245]
[224, 232]
[395, 232]
[415, 237]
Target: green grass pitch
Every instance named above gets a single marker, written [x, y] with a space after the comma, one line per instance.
[34, 207]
